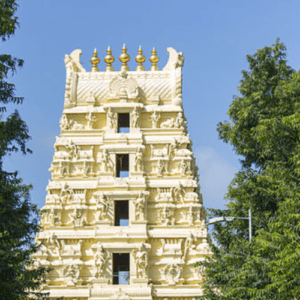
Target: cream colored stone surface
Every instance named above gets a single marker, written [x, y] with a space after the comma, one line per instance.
[166, 232]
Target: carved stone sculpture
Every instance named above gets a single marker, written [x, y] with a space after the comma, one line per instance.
[111, 119]
[100, 259]
[64, 122]
[90, 120]
[185, 167]
[54, 245]
[62, 169]
[168, 124]
[72, 273]
[66, 194]
[201, 272]
[102, 206]
[140, 206]
[172, 273]
[159, 153]
[78, 218]
[161, 167]
[134, 118]
[73, 150]
[189, 244]
[155, 118]
[179, 122]
[85, 169]
[104, 160]
[166, 215]
[179, 192]
[138, 161]
[76, 126]
[53, 217]
[141, 261]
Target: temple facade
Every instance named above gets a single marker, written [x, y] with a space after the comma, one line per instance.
[123, 217]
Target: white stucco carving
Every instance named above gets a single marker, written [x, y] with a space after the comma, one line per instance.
[102, 204]
[100, 260]
[138, 160]
[91, 120]
[111, 119]
[172, 273]
[141, 260]
[72, 273]
[78, 217]
[155, 118]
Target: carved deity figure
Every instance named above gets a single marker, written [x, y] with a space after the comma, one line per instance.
[53, 217]
[185, 167]
[85, 169]
[72, 273]
[190, 215]
[100, 259]
[179, 192]
[174, 146]
[179, 122]
[141, 261]
[66, 194]
[64, 122]
[62, 169]
[138, 162]
[189, 244]
[104, 160]
[161, 167]
[167, 216]
[140, 206]
[201, 272]
[111, 119]
[78, 218]
[102, 206]
[90, 120]
[134, 118]
[154, 118]
[54, 245]
[73, 150]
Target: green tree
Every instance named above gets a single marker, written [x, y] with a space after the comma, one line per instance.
[18, 217]
[264, 131]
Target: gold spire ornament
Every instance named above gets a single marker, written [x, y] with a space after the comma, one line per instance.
[95, 61]
[154, 59]
[109, 59]
[124, 58]
[140, 58]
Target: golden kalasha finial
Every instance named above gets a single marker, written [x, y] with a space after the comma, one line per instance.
[154, 59]
[140, 58]
[95, 61]
[124, 58]
[109, 59]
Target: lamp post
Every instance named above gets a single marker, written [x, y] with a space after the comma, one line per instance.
[228, 219]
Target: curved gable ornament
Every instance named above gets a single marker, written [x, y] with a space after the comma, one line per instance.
[123, 88]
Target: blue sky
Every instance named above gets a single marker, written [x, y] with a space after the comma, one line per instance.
[214, 36]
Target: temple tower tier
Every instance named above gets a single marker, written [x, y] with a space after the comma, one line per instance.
[123, 217]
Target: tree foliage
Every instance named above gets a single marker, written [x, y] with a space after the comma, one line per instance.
[18, 216]
[265, 132]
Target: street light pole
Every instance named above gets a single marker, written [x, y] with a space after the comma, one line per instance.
[228, 219]
[250, 225]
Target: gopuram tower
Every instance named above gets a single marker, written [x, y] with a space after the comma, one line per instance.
[123, 217]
